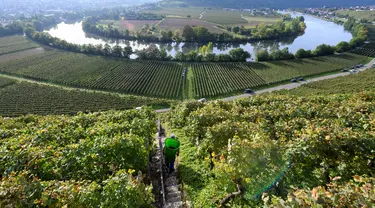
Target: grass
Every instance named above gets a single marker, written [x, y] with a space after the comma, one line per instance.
[255, 20]
[367, 15]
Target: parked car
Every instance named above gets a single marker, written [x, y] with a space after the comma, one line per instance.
[360, 65]
[301, 79]
[249, 91]
[353, 67]
[353, 71]
[357, 66]
[202, 100]
[344, 70]
[293, 80]
[373, 66]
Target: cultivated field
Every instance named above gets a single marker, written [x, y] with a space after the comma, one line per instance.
[178, 23]
[254, 21]
[14, 44]
[367, 15]
[156, 79]
[21, 54]
[366, 50]
[19, 98]
[224, 17]
[357, 83]
[164, 79]
[131, 25]
[215, 79]
[371, 32]
[194, 12]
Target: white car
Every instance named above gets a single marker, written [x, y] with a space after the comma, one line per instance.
[353, 71]
[202, 100]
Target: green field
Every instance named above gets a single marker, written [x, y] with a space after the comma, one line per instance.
[371, 32]
[14, 44]
[255, 20]
[20, 98]
[164, 79]
[356, 83]
[156, 79]
[223, 17]
[367, 15]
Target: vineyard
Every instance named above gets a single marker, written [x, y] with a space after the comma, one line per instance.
[282, 145]
[157, 79]
[363, 81]
[366, 50]
[5, 82]
[166, 79]
[80, 161]
[27, 98]
[214, 79]
[14, 44]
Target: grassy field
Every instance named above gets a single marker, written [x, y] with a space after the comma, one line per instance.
[371, 32]
[356, 83]
[367, 15]
[131, 25]
[156, 79]
[178, 23]
[14, 44]
[19, 98]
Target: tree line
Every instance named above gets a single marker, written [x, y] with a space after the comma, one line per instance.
[11, 29]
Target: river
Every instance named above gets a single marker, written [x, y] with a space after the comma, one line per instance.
[318, 32]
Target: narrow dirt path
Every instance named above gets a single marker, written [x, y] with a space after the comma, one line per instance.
[201, 15]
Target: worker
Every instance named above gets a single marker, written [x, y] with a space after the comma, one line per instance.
[171, 150]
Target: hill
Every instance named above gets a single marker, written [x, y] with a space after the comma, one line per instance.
[276, 4]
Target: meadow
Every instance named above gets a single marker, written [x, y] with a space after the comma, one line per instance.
[172, 24]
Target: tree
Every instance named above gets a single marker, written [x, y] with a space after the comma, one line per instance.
[262, 55]
[188, 33]
[322, 50]
[107, 50]
[342, 47]
[355, 42]
[236, 29]
[239, 54]
[302, 53]
[127, 51]
[117, 50]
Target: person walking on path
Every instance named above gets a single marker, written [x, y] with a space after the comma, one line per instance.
[171, 150]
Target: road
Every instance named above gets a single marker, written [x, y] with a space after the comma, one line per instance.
[288, 86]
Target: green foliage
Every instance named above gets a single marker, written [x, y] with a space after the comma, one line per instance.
[355, 193]
[323, 50]
[342, 47]
[302, 53]
[262, 55]
[250, 141]
[54, 160]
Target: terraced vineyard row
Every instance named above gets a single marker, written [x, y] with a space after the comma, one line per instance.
[26, 98]
[365, 52]
[15, 43]
[157, 79]
[278, 71]
[213, 79]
